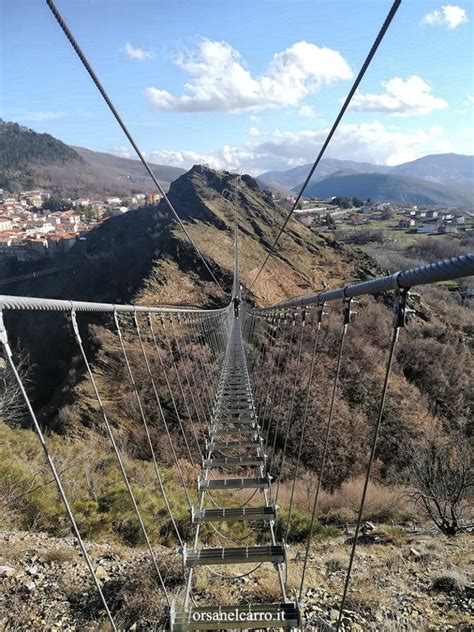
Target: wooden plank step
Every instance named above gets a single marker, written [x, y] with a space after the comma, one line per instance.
[245, 617]
[273, 553]
[239, 514]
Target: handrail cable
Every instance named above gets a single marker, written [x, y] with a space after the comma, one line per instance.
[365, 65]
[62, 23]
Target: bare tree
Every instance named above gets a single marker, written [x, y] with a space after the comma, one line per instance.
[442, 480]
[12, 405]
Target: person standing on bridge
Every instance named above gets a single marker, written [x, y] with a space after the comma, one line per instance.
[236, 300]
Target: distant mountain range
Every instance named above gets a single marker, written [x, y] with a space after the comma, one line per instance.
[30, 160]
[434, 179]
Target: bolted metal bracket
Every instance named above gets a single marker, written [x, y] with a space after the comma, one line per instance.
[320, 313]
[401, 311]
[347, 311]
[74, 324]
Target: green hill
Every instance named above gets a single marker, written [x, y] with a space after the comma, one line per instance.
[30, 160]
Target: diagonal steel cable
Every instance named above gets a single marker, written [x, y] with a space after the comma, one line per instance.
[52, 467]
[118, 118]
[365, 65]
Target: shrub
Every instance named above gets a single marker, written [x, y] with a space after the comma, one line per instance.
[449, 582]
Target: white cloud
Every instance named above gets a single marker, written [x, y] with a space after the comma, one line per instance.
[471, 100]
[254, 131]
[408, 97]
[365, 142]
[122, 151]
[449, 15]
[306, 111]
[219, 80]
[139, 54]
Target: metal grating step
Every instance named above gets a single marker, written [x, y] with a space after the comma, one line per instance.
[226, 432]
[250, 461]
[230, 445]
[239, 514]
[224, 420]
[274, 553]
[234, 483]
[248, 617]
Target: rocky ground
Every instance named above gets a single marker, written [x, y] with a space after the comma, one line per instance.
[401, 581]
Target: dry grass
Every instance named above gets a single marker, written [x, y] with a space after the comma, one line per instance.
[382, 504]
[60, 555]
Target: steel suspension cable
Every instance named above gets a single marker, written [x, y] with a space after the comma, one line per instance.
[52, 467]
[190, 390]
[118, 118]
[117, 453]
[280, 362]
[168, 434]
[145, 424]
[194, 389]
[165, 375]
[365, 65]
[269, 382]
[282, 393]
[319, 315]
[202, 391]
[399, 322]
[292, 402]
[347, 313]
[280, 331]
[180, 386]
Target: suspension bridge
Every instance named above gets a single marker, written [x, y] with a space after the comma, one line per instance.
[227, 414]
[227, 418]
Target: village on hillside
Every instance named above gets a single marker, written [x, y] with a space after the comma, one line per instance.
[35, 225]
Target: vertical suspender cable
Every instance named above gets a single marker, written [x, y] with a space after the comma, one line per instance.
[168, 434]
[117, 453]
[400, 312]
[52, 467]
[292, 403]
[346, 320]
[318, 316]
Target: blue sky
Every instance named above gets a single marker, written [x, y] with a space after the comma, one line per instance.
[248, 86]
